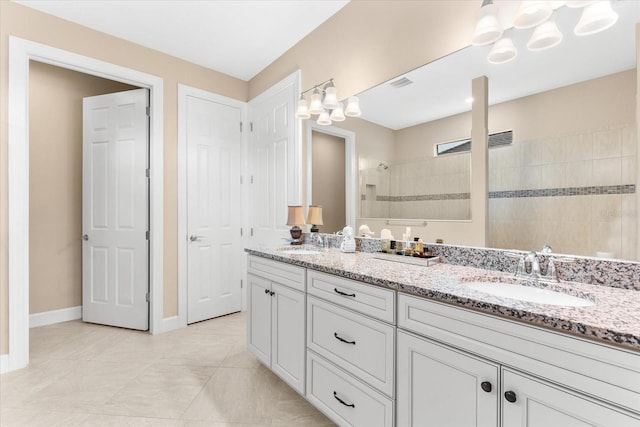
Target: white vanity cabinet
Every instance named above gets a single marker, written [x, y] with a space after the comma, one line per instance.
[450, 360]
[351, 350]
[276, 318]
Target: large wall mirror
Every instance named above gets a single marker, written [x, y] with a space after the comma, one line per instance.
[564, 168]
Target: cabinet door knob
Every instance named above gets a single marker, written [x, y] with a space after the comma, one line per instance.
[486, 386]
[266, 291]
[510, 396]
[351, 405]
[272, 293]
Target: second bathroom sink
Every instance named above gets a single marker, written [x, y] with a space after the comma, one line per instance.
[529, 294]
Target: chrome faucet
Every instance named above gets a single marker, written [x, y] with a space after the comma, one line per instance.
[532, 259]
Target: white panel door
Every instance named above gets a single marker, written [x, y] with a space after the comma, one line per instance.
[440, 387]
[274, 164]
[115, 253]
[534, 403]
[214, 211]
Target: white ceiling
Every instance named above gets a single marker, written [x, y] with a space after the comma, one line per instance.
[235, 37]
[441, 87]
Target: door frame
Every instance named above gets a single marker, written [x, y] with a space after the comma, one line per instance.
[184, 91]
[20, 52]
[350, 170]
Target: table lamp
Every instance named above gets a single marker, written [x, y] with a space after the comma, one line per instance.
[295, 218]
[314, 217]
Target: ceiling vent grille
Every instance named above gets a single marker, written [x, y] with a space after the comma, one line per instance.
[497, 139]
[401, 82]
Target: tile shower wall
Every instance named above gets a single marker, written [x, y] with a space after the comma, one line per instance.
[585, 193]
[431, 188]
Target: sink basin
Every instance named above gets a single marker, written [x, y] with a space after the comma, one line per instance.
[293, 250]
[529, 294]
[424, 262]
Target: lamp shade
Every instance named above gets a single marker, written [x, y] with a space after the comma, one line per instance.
[578, 3]
[330, 97]
[316, 103]
[295, 215]
[324, 119]
[503, 51]
[532, 13]
[487, 29]
[302, 112]
[596, 17]
[545, 36]
[337, 114]
[353, 107]
[315, 215]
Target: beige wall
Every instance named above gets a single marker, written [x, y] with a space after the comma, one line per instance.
[55, 196]
[29, 24]
[328, 184]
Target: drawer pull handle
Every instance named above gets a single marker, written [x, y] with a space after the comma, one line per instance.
[339, 338]
[343, 294]
[350, 405]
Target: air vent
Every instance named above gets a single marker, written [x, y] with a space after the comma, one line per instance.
[401, 82]
[497, 139]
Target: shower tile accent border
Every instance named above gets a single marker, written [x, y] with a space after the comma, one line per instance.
[595, 271]
[567, 191]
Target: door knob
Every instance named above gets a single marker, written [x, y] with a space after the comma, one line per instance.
[195, 238]
[486, 386]
[510, 396]
[85, 237]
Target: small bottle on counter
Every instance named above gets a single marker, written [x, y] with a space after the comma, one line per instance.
[418, 248]
[399, 247]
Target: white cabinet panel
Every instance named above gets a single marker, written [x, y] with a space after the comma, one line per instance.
[441, 387]
[259, 318]
[344, 399]
[358, 344]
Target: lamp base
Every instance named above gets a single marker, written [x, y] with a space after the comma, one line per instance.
[314, 228]
[296, 235]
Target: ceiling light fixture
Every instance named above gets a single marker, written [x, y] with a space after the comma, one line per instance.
[488, 29]
[325, 104]
[597, 16]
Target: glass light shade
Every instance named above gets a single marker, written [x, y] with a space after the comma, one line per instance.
[532, 13]
[596, 17]
[503, 51]
[295, 215]
[316, 103]
[578, 3]
[353, 107]
[330, 98]
[303, 109]
[545, 36]
[488, 29]
[314, 216]
[323, 118]
[337, 115]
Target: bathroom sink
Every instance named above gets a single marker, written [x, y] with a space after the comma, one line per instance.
[424, 262]
[300, 250]
[529, 294]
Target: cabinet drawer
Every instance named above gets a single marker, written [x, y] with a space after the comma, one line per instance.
[368, 299]
[356, 343]
[285, 274]
[344, 399]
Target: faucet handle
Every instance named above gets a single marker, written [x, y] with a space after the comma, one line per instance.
[520, 257]
[552, 271]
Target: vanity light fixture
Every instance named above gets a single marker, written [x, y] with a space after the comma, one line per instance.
[597, 16]
[325, 104]
[488, 29]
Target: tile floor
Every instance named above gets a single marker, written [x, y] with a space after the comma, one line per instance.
[89, 375]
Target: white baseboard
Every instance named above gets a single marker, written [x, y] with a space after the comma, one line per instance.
[172, 323]
[4, 363]
[55, 316]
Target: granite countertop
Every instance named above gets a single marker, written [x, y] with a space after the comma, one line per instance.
[614, 319]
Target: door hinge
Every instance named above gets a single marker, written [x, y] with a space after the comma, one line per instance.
[252, 179]
[240, 231]
[251, 231]
[148, 173]
[146, 297]
[147, 235]
[240, 179]
[240, 126]
[251, 126]
[241, 284]
[148, 111]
